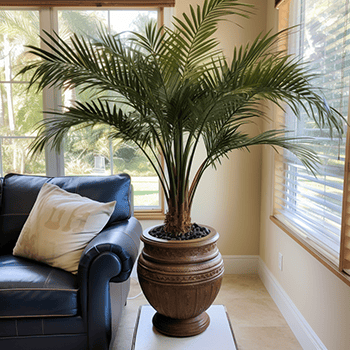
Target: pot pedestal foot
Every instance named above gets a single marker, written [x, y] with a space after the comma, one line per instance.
[181, 328]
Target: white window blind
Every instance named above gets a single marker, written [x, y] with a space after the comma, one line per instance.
[313, 205]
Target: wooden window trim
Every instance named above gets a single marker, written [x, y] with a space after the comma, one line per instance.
[344, 258]
[153, 214]
[149, 215]
[318, 256]
[88, 3]
[278, 3]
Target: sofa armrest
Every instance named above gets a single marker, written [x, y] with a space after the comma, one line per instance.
[122, 239]
[109, 257]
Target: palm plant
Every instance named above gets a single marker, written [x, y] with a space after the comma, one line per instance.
[179, 89]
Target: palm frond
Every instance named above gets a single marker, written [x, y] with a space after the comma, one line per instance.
[180, 90]
[193, 35]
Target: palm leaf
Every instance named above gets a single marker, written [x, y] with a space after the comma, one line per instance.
[180, 89]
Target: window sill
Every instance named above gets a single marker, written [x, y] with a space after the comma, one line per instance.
[318, 256]
[149, 214]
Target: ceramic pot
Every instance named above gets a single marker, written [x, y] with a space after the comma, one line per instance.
[180, 279]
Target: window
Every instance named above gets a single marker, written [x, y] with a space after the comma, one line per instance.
[83, 153]
[86, 154]
[313, 206]
[18, 111]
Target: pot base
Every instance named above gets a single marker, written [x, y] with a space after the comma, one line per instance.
[181, 328]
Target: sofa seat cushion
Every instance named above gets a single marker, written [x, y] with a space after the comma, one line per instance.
[32, 289]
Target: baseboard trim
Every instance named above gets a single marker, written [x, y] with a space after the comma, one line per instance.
[306, 336]
[241, 264]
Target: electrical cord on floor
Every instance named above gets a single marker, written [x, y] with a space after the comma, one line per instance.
[136, 296]
[132, 298]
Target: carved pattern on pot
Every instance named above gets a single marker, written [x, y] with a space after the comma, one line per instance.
[188, 267]
[179, 253]
[184, 278]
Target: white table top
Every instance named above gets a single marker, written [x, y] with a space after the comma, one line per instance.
[218, 335]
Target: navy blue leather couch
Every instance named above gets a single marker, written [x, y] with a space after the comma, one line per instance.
[45, 308]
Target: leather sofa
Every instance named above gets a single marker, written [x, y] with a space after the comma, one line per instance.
[42, 307]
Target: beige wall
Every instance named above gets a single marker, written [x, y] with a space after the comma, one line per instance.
[229, 198]
[321, 297]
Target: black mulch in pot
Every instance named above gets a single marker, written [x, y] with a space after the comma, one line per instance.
[195, 232]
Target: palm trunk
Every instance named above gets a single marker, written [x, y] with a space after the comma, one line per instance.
[178, 219]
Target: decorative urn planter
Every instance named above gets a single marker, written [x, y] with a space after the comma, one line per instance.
[180, 279]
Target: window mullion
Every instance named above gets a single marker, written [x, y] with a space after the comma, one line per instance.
[52, 99]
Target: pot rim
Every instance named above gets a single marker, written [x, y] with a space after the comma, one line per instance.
[212, 237]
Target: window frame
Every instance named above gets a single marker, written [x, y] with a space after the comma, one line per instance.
[87, 3]
[292, 231]
[52, 99]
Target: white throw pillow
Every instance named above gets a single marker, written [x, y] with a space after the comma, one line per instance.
[59, 227]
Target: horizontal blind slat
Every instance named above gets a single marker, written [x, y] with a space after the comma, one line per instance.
[318, 181]
[322, 170]
[326, 229]
[331, 196]
[319, 207]
[312, 233]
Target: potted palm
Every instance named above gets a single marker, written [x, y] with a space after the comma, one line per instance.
[180, 90]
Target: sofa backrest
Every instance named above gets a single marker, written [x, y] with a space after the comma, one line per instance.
[19, 192]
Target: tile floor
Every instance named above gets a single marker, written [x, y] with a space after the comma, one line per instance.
[256, 321]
